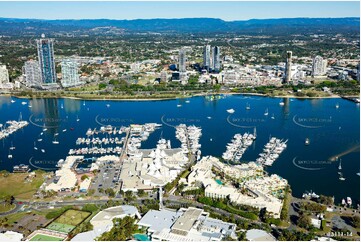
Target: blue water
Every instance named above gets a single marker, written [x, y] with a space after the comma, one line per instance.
[141, 237]
[331, 132]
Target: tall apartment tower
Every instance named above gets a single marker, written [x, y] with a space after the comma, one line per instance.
[319, 66]
[4, 74]
[207, 57]
[288, 67]
[216, 59]
[163, 77]
[46, 60]
[182, 60]
[32, 75]
[69, 73]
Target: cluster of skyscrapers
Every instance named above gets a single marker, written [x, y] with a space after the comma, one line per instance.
[211, 58]
[42, 73]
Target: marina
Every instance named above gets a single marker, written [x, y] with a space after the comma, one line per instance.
[238, 146]
[208, 115]
[10, 127]
[271, 151]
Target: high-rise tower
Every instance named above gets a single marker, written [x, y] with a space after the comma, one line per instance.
[216, 59]
[288, 67]
[46, 60]
[182, 60]
[207, 57]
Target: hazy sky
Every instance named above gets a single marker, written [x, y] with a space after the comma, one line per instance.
[146, 10]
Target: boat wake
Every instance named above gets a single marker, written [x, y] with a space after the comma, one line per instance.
[355, 148]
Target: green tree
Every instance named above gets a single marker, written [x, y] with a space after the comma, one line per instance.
[304, 221]
[122, 230]
[83, 177]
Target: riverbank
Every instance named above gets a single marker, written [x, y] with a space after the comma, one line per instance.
[167, 97]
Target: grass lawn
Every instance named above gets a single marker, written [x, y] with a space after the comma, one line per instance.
[6, 207]
[66, 228]
[72, 217]
[43, 237]
[15, 185]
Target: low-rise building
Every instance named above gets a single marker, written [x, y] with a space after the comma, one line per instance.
[186, 224]
[103, 221]
[258, 190]
[259, 235]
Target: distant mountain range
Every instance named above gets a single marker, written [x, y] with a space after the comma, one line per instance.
[186, 25]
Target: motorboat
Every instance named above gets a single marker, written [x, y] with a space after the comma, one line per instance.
[266, 112]
[230, 110]
[307, 141]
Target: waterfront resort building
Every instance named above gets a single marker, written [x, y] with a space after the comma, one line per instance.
[65, 178]
[186, 224]
[261, 191]
[46, 61]
[70, 73]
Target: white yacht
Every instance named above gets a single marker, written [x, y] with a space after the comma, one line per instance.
[307, 141]
[230, 110]
[266, 112]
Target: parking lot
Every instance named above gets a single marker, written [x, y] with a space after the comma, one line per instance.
[107, 177]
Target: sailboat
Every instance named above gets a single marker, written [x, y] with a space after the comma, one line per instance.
[339, 165]
[12, 101]
[341, 178]
[10, 156]
[12, 146]
[61, 106]
[273, 116]
[83, 103]
[55, 142]
[35, 148]
[248, 107]
[77, 118]
[44, 128]
[337, 105]
[266, 112]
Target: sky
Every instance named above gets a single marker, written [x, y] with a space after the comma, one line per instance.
[147, 10]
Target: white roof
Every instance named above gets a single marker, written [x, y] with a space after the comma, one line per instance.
[259, 235]
[159, 220]
[90, 235]
[11, 236]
